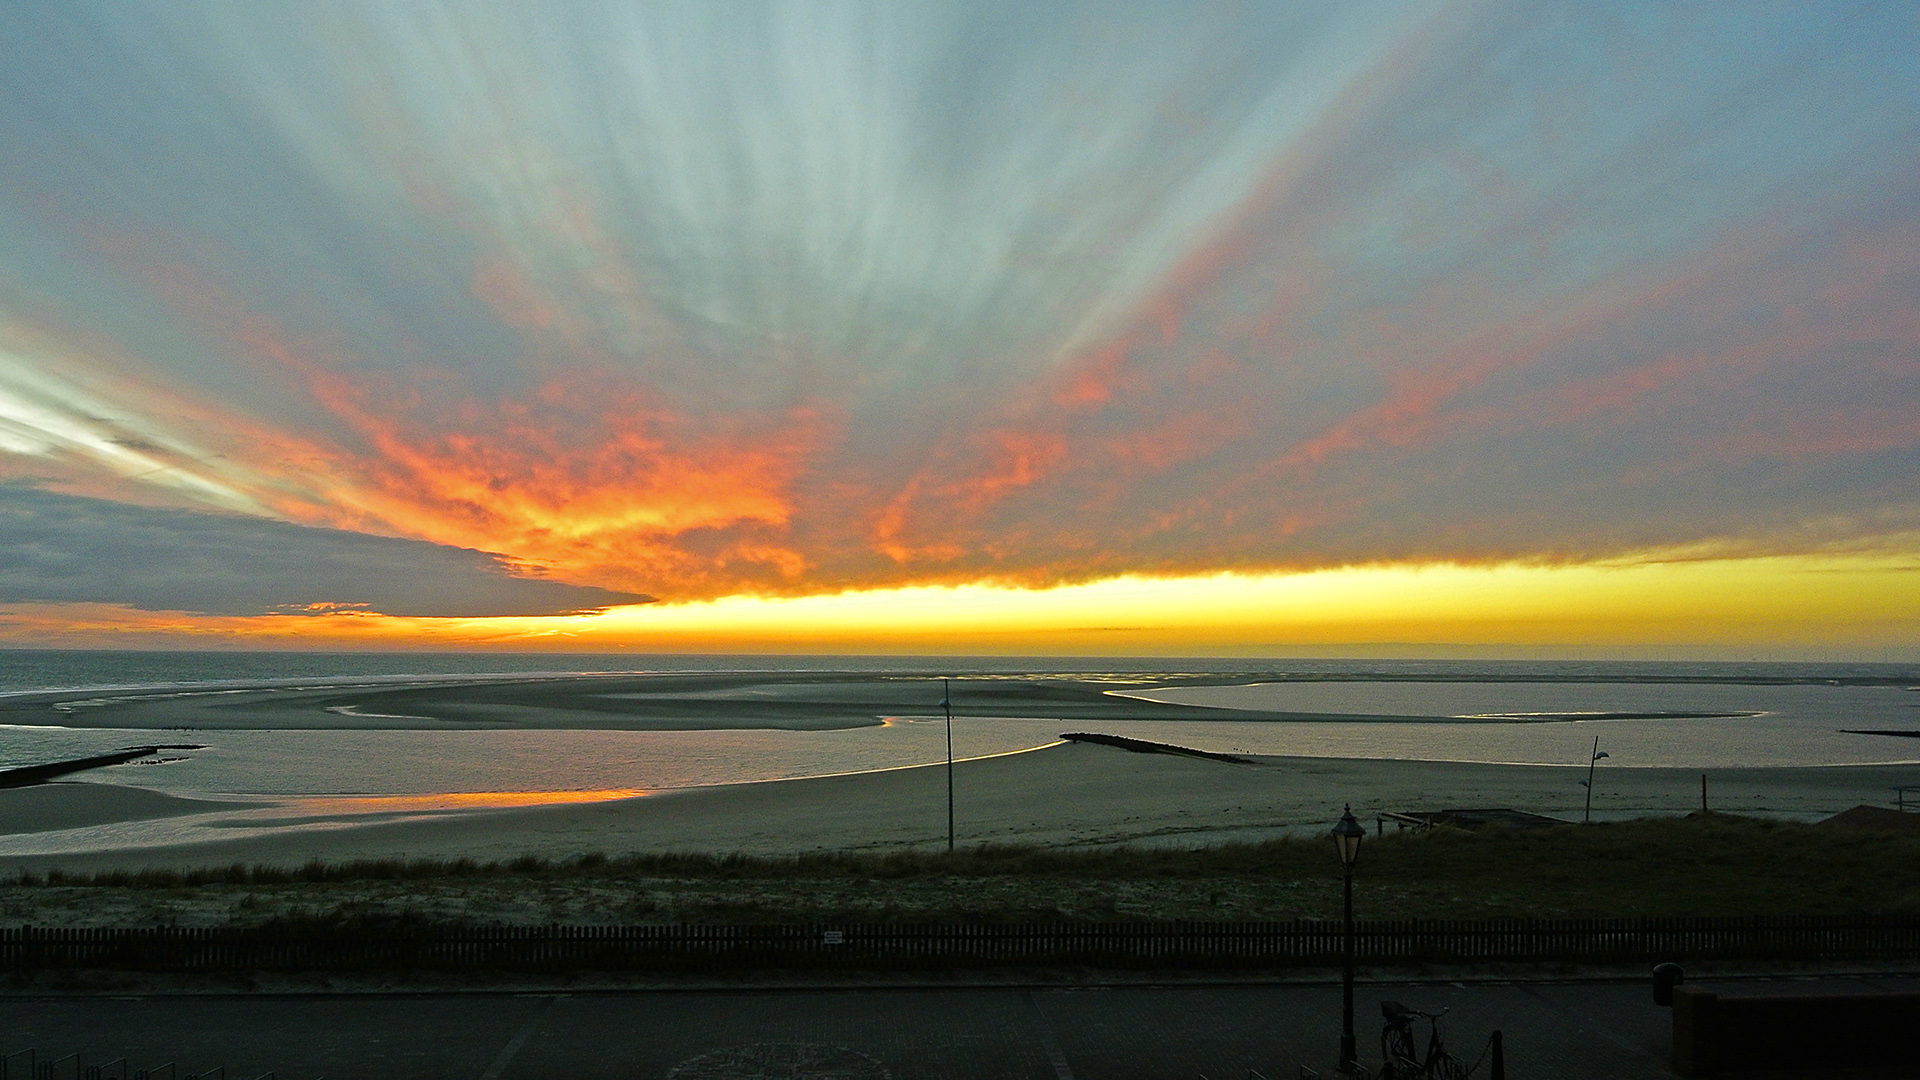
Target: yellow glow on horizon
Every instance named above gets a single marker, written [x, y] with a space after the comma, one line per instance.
[1860, 606]
[1811, 600]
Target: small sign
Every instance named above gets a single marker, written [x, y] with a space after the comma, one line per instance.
[833, 937]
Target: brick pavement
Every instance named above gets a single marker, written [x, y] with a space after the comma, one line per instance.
[1572, 1030]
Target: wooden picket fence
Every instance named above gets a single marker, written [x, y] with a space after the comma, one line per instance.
[1297, 943]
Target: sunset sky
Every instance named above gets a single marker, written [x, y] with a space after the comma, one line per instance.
[1026, 327]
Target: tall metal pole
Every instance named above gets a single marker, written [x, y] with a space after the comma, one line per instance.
[1347, 835]
[1591, 762]
[946, 702]
[1348, 1055]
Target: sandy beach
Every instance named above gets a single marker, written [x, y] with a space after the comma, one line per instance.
[517, 745]
[55, 806]
[1068, 795]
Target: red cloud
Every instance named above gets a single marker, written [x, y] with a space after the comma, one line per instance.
[585, 474]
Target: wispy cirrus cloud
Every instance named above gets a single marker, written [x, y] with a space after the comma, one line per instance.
[789, 299]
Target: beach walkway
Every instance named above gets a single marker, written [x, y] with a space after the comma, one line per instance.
[1573, 1030]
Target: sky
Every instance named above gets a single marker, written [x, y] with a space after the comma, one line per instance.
[1036, 327]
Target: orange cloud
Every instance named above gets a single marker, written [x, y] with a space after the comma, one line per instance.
[1008, 460]
[1272, 403]
[587, 475]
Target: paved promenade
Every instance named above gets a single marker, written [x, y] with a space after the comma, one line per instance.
[1566, 1029]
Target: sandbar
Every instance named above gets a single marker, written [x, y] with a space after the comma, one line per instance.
[76, 805]
[1072, 795]
[800, 701]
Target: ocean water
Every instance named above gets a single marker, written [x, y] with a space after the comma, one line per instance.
[85, 669]
[1508, 712]
[80, 669]
[1500, 710]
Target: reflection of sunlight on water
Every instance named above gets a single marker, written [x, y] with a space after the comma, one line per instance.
[245, 816]
[349, 710]
[452, 800]
[371, 774]
[425, 762]
[259, 816]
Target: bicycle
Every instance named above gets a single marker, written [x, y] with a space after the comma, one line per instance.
[1401, 1053]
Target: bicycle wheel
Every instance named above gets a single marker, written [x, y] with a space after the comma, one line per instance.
[1447, 1067]
[1398, 1057]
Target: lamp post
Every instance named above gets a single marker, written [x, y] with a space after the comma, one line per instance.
[1347, 836]
[946, 703]
[1587, 818]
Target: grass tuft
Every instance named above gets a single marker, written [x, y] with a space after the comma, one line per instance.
[1706, 864]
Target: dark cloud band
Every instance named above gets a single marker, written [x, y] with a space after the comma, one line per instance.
[66, 549]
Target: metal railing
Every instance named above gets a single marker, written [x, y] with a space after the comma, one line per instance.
[49, 1069]
[1293, 943]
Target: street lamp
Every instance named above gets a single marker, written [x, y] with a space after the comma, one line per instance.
[1347, 836]
[1588, 782]
[946, 703]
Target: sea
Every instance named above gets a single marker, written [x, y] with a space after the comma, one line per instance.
[1515, 712]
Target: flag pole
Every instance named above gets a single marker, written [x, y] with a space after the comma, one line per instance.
[946, 702]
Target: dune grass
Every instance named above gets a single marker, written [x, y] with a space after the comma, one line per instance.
[1702, 865]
